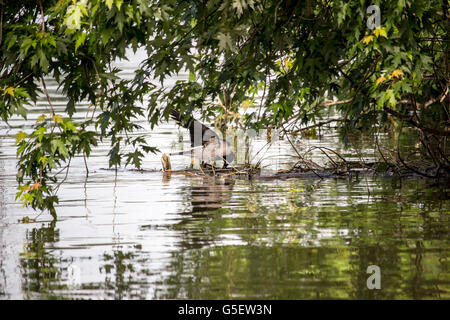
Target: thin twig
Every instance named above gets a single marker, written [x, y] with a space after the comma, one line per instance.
[1, 24]
[319, 124]
[23, 79]
[42, 14]
[65, 177]
[403, 162]
[298, 153]
[85, 165]
[48, 96]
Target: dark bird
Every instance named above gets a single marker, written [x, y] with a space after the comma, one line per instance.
[206, 144]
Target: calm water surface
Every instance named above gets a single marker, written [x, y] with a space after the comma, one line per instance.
[152, 236]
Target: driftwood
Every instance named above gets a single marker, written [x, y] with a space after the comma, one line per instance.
[349, 169]
[254, 173]
[302, 169]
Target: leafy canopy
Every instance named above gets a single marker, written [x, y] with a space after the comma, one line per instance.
[297, 54]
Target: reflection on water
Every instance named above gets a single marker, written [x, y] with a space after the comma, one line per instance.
[39, 267]
[208, 193]
[153, 235]
[295, 239]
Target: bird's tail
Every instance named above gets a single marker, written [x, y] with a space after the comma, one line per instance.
[185, 120]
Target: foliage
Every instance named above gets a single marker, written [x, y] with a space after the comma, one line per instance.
[298, 54]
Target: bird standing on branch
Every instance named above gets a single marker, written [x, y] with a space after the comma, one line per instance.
[206, 144]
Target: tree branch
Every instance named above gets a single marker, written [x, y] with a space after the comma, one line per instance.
[437, 132]
[42, 14]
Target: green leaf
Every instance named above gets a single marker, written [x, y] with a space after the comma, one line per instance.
[12, 41]
[119, 4]
[20, 110]
[26, 44]
[380, 32]
[34, 60]
[43, 160]
[109, 3]
[225, 42]
[62, 149]
[81, 37]
[70, 125]
[51, 41]
[70, 108]
[391, 97]
[106, 35]
[9, 91]
[20, 136]
[73, 18]
[43, 62]
[40, 133]
[41, 118]
[22, 92]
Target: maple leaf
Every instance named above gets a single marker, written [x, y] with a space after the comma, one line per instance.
[380, 80]
[36, 186]
[367, 39]
[41, 118]
[380, 32]
[10, 91]
[109, 4]
[20, 136]
[57, 118]
[225, 42]
[397, 73]
[245, 104]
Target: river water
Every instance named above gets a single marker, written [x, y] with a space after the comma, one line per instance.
[146, 235]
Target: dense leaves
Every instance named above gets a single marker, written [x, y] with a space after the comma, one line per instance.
[280, 61]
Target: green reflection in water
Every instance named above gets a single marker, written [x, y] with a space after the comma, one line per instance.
[41, 273]
[294, 239]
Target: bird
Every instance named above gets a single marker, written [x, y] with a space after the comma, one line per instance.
[206, 144]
